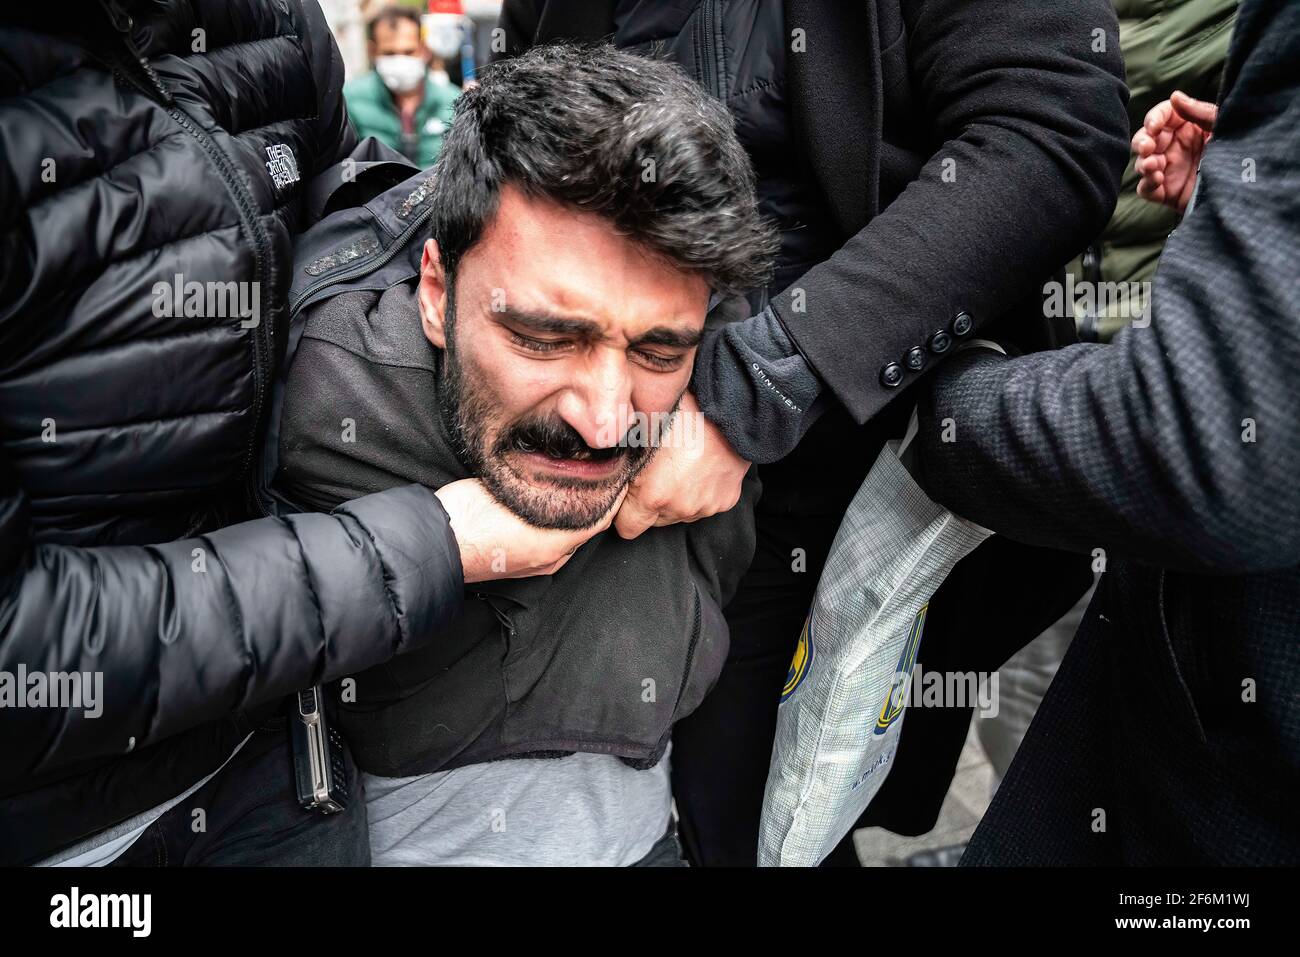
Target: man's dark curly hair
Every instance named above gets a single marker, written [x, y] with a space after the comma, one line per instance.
[631, 139]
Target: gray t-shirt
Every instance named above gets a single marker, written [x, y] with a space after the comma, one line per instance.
[584, 810]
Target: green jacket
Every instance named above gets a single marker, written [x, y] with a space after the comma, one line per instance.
[1168, 45]
[374, 114]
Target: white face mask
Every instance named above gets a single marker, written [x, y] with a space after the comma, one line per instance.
[400, 73]
[443, 34]
[440, 77]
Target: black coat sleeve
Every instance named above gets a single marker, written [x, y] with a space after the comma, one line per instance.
[1179, 443]
[1032, 119]
[518, 22]
[195, 629]
[336, 137]
[528, 23]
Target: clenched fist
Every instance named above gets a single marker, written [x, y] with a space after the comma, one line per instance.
[694, 474]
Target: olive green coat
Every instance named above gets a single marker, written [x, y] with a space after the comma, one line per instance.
[1168, 45]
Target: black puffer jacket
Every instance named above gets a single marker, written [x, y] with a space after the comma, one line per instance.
[144, 145]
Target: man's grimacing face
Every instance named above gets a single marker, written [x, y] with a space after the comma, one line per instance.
[559, 335]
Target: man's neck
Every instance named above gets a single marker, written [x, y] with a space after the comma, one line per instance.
[407, 103]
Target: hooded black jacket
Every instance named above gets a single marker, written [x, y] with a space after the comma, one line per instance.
[141, 142]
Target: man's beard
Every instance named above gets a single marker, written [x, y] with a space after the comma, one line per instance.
[564, 502]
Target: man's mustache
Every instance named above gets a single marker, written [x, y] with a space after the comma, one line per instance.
[553, 437]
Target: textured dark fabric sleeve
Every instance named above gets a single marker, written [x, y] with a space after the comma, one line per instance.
[752, 383]
[1179, 443]
[1035, 131]
[195, 629]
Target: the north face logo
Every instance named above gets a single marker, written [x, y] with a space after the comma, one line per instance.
[282, 166]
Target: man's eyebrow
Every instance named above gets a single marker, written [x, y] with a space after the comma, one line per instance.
[668, 336]
[586, 328]
[556, 325]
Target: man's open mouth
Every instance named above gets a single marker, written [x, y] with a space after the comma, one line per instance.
[593, 465]
[558, 453]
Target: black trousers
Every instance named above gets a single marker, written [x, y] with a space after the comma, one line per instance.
[997, 600]
[250, 817]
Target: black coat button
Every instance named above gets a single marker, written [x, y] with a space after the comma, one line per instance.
[915, 358]
[962, 324]
[891, 376]
[939, 342]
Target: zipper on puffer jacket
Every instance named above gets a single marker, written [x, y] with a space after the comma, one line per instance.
[249, 220]
[708, 49]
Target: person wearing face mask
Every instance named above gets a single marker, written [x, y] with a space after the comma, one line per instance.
[406, 100]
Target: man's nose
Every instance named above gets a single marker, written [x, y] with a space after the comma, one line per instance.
[599, 401]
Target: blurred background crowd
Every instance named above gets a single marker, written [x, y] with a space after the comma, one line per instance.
[407, 62]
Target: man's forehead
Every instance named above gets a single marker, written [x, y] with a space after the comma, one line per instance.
[394, 31]
[544, 259]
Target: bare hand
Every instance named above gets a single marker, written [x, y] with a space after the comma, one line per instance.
[694, 474]
[496, 543]
[1169, 148]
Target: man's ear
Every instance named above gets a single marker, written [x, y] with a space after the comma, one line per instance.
[432, 296]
